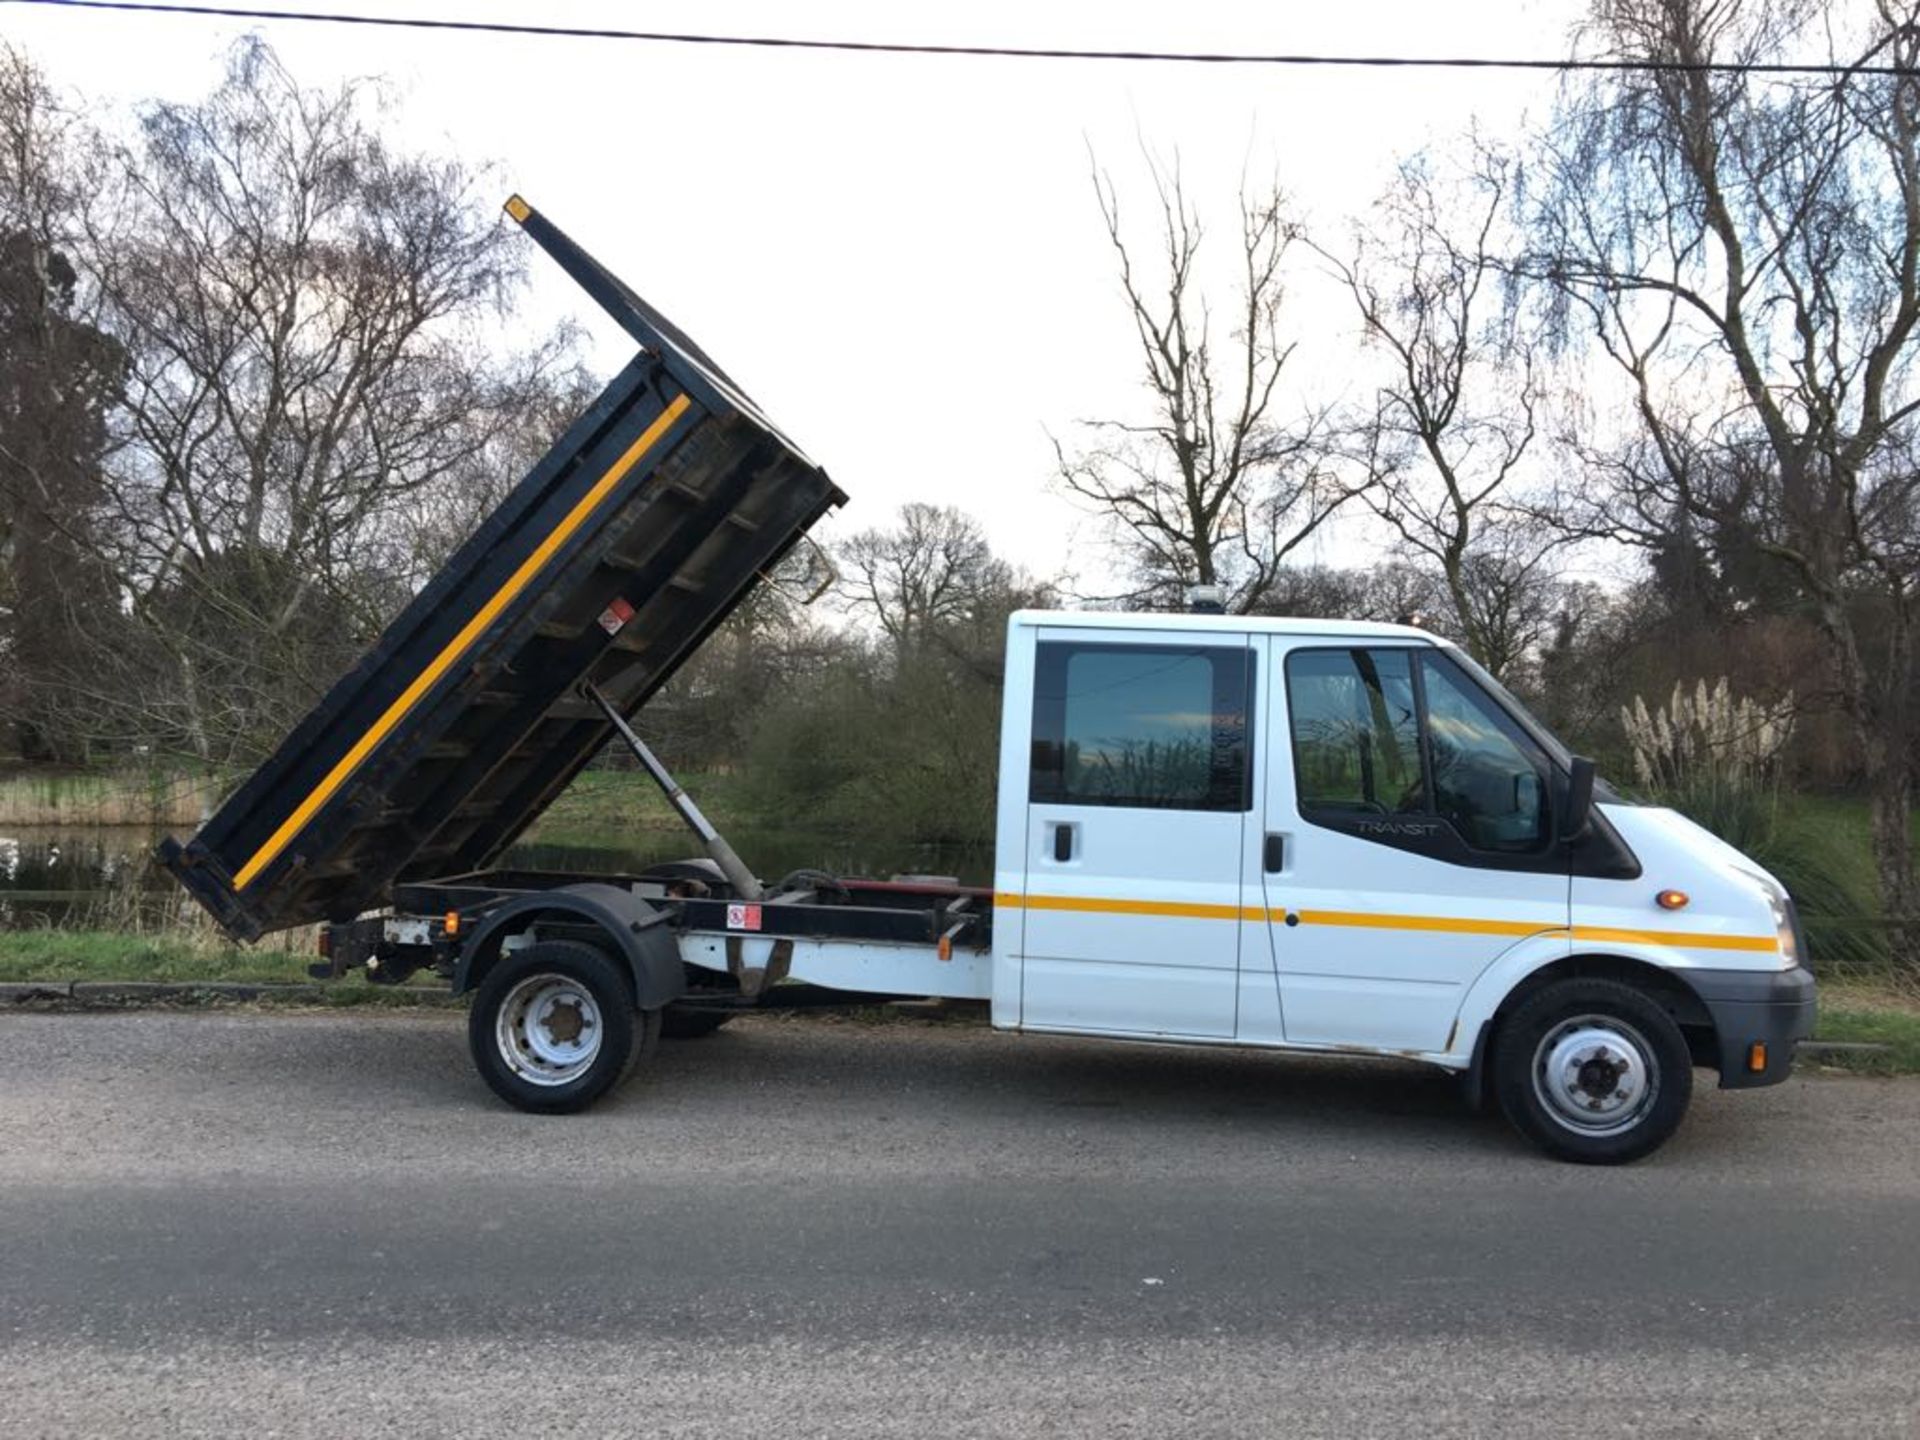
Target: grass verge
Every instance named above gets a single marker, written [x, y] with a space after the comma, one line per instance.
[103, 955]
[59, 956]
[1853, 1016]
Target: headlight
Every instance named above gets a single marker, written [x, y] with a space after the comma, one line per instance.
[1786, 919]
[1786, 925]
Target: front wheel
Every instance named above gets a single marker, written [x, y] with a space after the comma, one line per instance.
[553, 1027]
[1593, 1071]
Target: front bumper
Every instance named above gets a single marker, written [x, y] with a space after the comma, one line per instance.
[1771, 1007]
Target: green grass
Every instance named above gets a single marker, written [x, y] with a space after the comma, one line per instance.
[1866, 1017]
[107, 797]
[105, 957]
[1845, 818]
[100, 955]
[604, 801]
[1848, 820]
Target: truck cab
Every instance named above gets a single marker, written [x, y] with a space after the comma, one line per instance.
[1337, 836]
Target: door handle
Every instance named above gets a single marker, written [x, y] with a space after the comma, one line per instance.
[1063, 843]
[1274, 857]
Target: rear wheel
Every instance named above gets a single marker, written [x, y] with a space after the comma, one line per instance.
[553, 1027]
[1593, 1071]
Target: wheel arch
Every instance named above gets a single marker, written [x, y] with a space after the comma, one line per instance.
[1664, 985]
[629, 928]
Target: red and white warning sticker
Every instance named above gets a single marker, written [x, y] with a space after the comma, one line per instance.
[743, 917]
[615, 616]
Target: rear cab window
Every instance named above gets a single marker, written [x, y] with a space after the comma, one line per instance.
[1147, 726]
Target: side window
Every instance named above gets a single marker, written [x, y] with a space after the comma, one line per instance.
[1150, 726]
[1486, 779]
[1373, 736]
[1356, 733]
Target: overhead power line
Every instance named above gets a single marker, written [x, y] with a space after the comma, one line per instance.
[1008, 52]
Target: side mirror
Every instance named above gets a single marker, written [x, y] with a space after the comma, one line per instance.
[1579, 812]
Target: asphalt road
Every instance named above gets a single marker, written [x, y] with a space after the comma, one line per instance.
[273, 1224]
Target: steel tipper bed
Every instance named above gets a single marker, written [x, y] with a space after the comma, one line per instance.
[642, 529]
[645, 526]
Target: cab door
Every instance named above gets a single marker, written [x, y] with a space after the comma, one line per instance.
[1411, 820]
[1140, 789]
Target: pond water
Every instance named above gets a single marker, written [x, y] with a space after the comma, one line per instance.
[103, 877]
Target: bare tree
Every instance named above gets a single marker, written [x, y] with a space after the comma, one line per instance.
[423, 526]
[1455, 415]
[312, 323]
[59, 376]
[1211, 488]
[1746, 250]
[933, 569]
[770, 651]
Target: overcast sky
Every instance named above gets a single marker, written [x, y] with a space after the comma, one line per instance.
[900, 257]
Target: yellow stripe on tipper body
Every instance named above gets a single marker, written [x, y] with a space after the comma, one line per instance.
[455, 648]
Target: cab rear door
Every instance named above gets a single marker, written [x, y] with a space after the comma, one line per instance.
[1140, 793]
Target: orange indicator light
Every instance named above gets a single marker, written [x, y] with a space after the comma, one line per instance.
[1757, 1056]
[453, 923]
[1671, 899]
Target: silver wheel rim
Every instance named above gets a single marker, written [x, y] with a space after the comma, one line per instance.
[549, 1030]
[1595, 1075]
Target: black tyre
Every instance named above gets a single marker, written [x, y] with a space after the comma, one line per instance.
[553, 1027]
[677, 1022]
[1593, 1071]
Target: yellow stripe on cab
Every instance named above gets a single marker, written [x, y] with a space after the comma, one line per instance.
[1380, 920]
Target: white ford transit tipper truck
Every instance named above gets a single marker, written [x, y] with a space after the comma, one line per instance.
[1288, 834]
